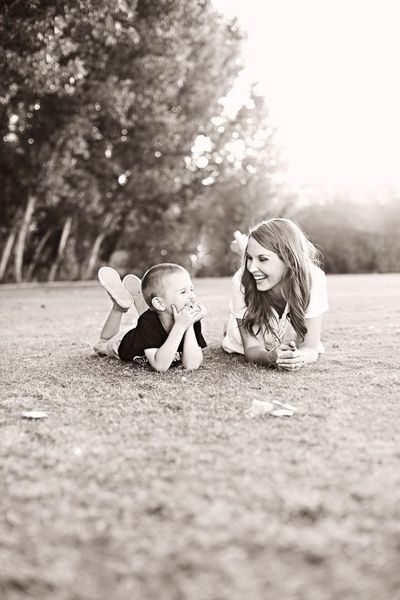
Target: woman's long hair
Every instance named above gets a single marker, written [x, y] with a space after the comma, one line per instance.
[287, 240]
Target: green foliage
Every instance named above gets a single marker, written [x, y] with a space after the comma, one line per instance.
[355, 238]
[101, 103]
[118, 115]
[248, 184]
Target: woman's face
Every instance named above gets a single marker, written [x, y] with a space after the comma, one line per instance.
[265, 266]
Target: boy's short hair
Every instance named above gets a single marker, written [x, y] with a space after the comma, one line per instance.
[153, 280]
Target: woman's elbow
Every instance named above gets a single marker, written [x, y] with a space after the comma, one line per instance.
[250, 355]
[247, 355]
[310, 354]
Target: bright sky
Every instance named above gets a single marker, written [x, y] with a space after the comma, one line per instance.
[330, 72]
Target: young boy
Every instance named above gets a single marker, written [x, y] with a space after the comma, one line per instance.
[168, 328]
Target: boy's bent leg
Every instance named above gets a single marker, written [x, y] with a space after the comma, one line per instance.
[134, 287]
[105, 348]
[113, 323]
[110, 347]
[111, 281]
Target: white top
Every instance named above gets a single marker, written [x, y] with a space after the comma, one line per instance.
[285, 333]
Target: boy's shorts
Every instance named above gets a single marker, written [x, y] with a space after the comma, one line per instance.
[110, 347]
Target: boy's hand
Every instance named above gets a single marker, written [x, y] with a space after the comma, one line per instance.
[202, 310]
[288, 357]
[187, 316]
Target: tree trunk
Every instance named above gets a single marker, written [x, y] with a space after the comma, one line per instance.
[21, 239]
[61, 247]
[5, 256]
[37, 254]
[96, 247]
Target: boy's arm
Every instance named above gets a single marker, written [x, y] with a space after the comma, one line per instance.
[161, 358]
[192, 355]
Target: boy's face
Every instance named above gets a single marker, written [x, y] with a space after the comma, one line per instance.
[178, 290]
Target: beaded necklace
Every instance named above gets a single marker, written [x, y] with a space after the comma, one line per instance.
[279, 333]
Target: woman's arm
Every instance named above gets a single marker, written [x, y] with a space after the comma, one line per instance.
[254, 348]
[308, 348]
[284, 357]
[310, 345]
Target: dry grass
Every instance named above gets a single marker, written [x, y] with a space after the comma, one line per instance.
[145, 486]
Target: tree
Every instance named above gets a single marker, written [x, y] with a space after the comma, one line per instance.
[100, 105]
[245, 175]
[354, 237]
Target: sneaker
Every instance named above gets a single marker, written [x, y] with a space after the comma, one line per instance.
[134, 286]
[111, 282]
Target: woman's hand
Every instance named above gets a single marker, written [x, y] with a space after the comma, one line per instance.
[289, 358]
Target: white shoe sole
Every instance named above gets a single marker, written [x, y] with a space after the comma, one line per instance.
[134, 286]
[111, 282]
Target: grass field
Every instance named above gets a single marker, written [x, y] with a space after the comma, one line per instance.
[142, 486]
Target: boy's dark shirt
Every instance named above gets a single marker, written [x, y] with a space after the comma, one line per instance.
[149, 333]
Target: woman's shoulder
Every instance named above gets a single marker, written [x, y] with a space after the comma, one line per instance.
[318, 276]
[317, 271]
[237, 303]
[318, 293]
[237, 278]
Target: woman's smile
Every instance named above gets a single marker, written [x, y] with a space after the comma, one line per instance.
[260, 277]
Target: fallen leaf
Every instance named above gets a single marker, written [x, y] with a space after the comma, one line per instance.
[274, 408]
[34, 414]
[284, 405]
[260, 407]
[282, 412]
